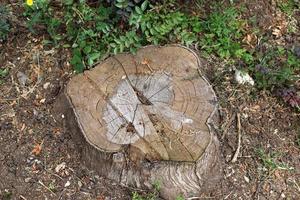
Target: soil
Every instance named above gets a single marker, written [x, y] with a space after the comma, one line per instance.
[38, 159]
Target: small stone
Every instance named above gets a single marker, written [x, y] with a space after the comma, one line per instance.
[60, 167]
[242, 77]
[22, 78]
[27, 179]
[46, 85]
[282, 195]
[37, 161]
[35, 112]
[68, 183]
[297, 51]
[80, 184]
[246, 179]
[63, 116]
[42, 100]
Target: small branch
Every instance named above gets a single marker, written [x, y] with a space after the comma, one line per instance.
[42, 184]
[227, 126]
[235, 156]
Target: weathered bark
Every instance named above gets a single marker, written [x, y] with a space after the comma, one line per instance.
[145, 118]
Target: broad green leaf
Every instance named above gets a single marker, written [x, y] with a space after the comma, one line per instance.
[144, 5]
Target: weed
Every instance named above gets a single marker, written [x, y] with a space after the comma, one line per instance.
[222, 32]
[41, 13]
[270, 162]
[288, 6]
[4, 22]
[180, 197]
[160, 26]
[278, 67]
[7, 195]
[52, 186]
[3, 74]
[150, 196]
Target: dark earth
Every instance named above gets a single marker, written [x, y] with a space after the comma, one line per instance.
[40, 161]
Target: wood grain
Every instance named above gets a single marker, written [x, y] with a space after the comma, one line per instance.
[147, 116]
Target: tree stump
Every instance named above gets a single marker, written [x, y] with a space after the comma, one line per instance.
[146, 118]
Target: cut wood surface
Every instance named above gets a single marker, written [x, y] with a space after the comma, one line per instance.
[145, 118]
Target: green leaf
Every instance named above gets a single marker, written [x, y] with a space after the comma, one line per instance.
[138, 10]
[115, 50]
[3, 73]
[87, 49]
[68, 2]
[121, 48]
[127, 44]
[144, 5]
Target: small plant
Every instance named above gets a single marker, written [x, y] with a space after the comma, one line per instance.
[270, 161]
[52, 186]
[3, 74]
[288, 6]
[180, 197]
[150, 196]
[40, 12]
[160, 26]
[222, 34]
[7, 195]
[4, 22]
[277, 68]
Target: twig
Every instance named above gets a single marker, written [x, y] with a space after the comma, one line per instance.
[42, 184]
[61, 194]
[235, 156]
[227, 126]
[260, 183]
[22, 197]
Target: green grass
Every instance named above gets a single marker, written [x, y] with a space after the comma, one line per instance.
[288, 6]
[270, 160]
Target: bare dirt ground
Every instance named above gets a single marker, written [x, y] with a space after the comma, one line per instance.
[38, 159]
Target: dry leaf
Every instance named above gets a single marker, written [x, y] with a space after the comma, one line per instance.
[37, 149]
[101, 197]
[145, 61]
[276, 32]
[250, 39]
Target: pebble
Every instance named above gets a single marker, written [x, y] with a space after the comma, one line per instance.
[46, 85]
[59, 167]
[80, 184]
[68, 183]
[37, 161]
[242, 77]
[246, 179]
[27, 179]
[22, 78]
[297, 51]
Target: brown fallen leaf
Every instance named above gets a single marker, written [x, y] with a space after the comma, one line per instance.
[37, 149]
[147, 63]
[101, 197]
